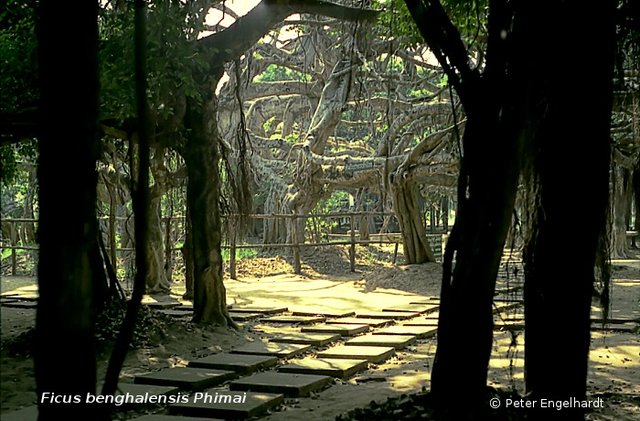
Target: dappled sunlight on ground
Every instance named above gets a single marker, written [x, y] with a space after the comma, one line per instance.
[298, 293]
[614, 367]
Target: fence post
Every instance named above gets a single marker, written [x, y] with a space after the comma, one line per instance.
[14, 256]
[296, 248]
[168, 256]
[395, 253]
[352, 248]
[232, 248]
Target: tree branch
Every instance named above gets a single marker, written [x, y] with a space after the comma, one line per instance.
[248, 29]
[445, 42]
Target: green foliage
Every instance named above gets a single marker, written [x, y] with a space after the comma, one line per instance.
[267, 124]
[395, 21]
[444, 80]
[277, 73]
[10, 158]
[469, 17]
[339, 201]
[174, 63]
[240, 254]
[18, 77]
[18, 82]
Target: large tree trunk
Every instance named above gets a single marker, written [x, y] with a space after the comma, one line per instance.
[157, 276]
[488, 178]
[465, 327]
[575, 190]
[412, 225]
[307, 191]
[202, 158]
[67, 226]
[636, 202]
[622, 196]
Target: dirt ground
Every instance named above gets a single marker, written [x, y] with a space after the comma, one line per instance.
[614, 371]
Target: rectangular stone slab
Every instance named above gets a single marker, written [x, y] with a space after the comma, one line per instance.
[421, 322]
[361, 321]
[414, 308]
[187, 378]
[420, 332]
[343, 330]
[27, 296]
[243, 317]
[428, 300]
[240, 363]
[374, 354]
[617, 327]
[21, 304]
[323, 312]
[395, 315]
[508, 290]
[272, 348]
[162, 304]
[159, 301]
[261, 310]
[600, 320]
[215, 403]
[163, 417]
[508, 300]
[396, 341]
[303, 320]
[334, 367]
[508, 326]
[184, 307]
[290, 384]
[314, 339]
[176, 313]
[502, 306]
[28, 413]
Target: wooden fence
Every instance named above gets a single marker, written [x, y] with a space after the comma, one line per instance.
[295, 245]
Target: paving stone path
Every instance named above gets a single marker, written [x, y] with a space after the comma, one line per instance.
[261, 374]
[253, 379]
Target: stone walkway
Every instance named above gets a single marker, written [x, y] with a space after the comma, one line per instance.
[314, 349]
[300, 363]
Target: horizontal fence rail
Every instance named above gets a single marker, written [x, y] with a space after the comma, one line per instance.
[349, 238]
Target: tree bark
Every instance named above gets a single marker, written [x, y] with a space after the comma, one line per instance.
[622, 196]
[477, 238]
[67, 229]
[636, 201]
[411, 220]
[486, 194]
[202, 158]
[574, 190]
[156, 277]
[202, 152]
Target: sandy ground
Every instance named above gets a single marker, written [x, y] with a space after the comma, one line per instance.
[614, 371]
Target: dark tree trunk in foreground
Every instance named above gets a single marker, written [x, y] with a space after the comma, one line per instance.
[489, 172]
[529, 91]
[574, 120]
[488, 190]
[64, 354]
